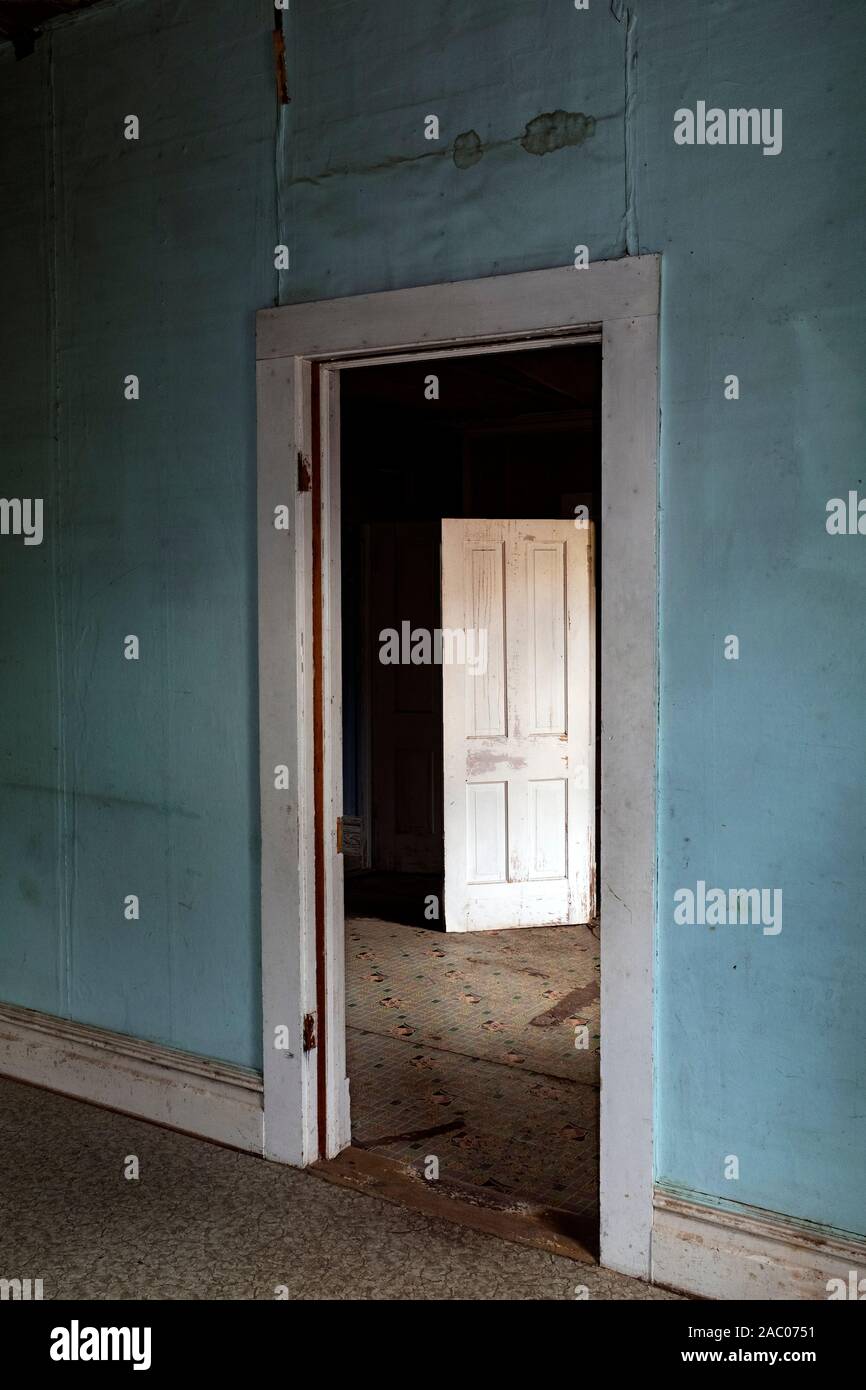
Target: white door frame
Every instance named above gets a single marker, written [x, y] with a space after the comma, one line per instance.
[300, 351]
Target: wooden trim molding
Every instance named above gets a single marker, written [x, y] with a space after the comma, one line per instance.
[531, 302]
[213, 1100]
[746, 1254]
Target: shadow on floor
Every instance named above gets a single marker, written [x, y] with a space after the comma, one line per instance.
[399, 898]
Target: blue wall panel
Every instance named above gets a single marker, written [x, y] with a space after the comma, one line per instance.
[136, 777]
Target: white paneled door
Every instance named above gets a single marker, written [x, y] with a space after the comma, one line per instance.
[518, 643]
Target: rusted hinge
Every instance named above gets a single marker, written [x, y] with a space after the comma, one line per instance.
[305, 478]
[309, 1032]
[339, 834]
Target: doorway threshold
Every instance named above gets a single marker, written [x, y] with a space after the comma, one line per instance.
[510, 1216]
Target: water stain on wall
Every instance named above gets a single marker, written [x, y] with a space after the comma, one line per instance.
[550, 131]
[556, 130]
[468, 149]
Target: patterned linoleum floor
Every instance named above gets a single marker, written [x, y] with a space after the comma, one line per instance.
[462, 1047]
[203, 1222]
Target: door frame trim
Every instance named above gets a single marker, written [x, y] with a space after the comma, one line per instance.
[619, 300]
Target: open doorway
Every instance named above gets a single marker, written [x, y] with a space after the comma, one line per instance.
[303, 351]
[470, 500]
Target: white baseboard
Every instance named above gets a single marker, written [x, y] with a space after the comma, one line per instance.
[734, 1255]
[214, 1100]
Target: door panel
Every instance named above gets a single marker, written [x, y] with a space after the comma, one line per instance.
[486, 832]
[406, 703]
[486, 691]
[519, 735]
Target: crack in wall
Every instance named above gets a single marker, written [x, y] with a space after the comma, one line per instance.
[65, 884]
[623, 13]
[282, 156]
[546, 133]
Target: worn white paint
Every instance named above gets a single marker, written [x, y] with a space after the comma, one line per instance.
[503, 345]
[285, 721]
[498, 307]
[518, 714]
[212, 1099]
[338, 1130]
[736, 1255]
[622, 299]
[629, 729]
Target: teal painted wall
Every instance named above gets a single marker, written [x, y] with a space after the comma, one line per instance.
[140, 777]
[760, 1038]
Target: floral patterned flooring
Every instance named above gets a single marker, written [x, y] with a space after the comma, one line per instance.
[479, 1050]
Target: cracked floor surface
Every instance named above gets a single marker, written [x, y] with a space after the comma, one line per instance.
[203, 1222]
